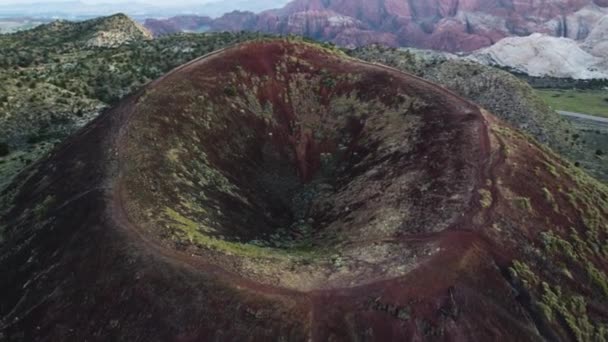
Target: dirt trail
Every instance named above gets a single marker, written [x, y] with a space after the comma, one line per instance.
[584, 116]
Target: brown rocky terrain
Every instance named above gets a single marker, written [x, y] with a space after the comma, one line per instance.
[279, 190]
[438, 24]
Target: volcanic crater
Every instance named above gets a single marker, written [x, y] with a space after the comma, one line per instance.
[278, 189]
[318, 165]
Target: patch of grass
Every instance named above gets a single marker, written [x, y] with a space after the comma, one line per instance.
[486, 198]
[550, 199]
[597, 277]
[592, 102]
[548, 195]
[573, 310]
[328, 82]
[230, 90]
[553, 244]
[557, 305]
[41, 209]
[186, 229]
[522, 271]
[523, 203]
[552, 170]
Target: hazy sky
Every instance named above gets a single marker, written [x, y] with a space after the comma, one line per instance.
[152, 8]
[150, 2]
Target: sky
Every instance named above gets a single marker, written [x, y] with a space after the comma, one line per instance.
[93, 2]
[74, 9]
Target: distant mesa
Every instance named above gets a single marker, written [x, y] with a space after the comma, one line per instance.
[280, 190]
[603, 3]
[187, 23]
[454, 26]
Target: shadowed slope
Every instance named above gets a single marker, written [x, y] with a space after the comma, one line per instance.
[279, 189]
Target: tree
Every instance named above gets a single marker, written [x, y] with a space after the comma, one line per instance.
[4, 149]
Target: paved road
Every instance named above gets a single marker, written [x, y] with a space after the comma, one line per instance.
[584, 116]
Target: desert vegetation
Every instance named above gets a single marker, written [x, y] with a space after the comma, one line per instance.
[585, 101]
[52, 82]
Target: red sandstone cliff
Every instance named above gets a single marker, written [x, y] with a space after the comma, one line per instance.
[451, 25]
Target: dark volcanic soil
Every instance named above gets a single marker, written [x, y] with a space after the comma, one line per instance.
[280, 191]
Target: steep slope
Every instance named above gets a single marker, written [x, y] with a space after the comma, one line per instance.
[438, 24]
[544, 56]
[510, 98]
[578, 25]
[596, 42]
[277, 190]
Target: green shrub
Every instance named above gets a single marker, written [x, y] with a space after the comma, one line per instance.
[230, 91]
[4, 149]
[42, 208]
[328, 82]
[523, 203]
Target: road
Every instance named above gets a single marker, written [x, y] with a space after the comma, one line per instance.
[583, 116]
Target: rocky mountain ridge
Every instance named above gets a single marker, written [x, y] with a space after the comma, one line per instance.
[447, 25]
[117, 30]
[110, 31]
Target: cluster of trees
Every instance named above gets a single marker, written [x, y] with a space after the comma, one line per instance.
[105, 74]
[4, 149]
[42, 80]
